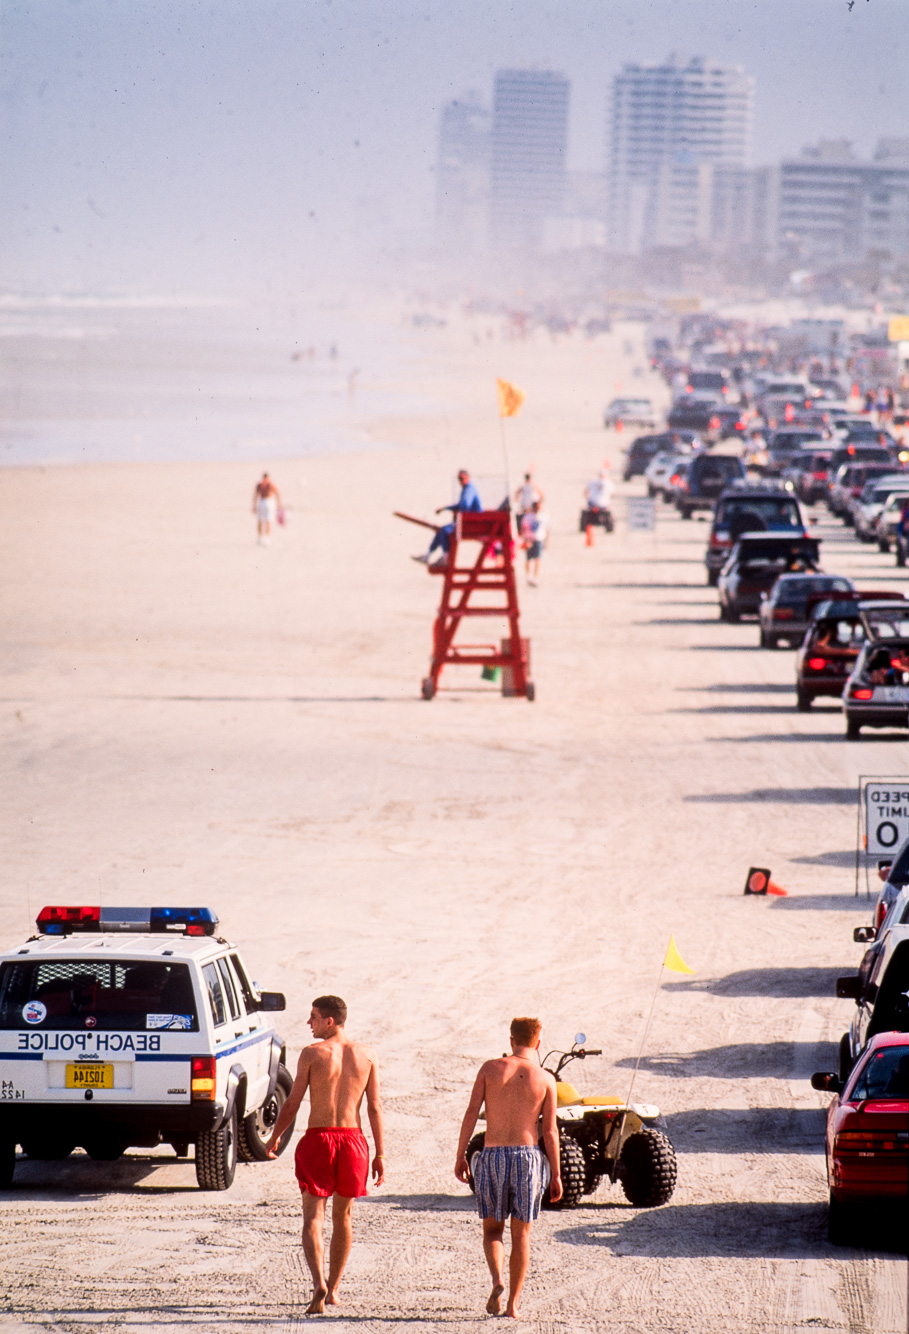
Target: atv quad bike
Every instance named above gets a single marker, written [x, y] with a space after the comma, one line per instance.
[602, 1136]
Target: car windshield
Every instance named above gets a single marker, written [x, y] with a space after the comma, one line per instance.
[100, 994]
[887, 665]
[884, 1075]
[773, 511]
[832, 632]
[797, 590]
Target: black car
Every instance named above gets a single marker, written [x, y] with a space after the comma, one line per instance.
[743, 509]
[644, 449]
[707, 477]
[757, 561]
[692, 414]
[784, 611]
[827, 656]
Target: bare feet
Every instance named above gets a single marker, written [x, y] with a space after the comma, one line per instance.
[512, 1311]
[317, 1305]
[494, 1305]
[332, 1298]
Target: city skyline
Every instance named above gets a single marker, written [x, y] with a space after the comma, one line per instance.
[285, 143]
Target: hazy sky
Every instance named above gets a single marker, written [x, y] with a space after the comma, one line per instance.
[158, 143]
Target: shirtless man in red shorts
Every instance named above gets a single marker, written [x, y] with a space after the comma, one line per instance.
[332, 1158]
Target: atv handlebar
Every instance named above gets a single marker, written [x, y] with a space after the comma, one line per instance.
[576, 1053]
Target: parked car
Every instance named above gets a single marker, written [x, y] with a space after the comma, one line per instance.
[644, 449]
[661, 469]
[630, 412]
[750, 508]
[870, 504]
[877, 692]
[837, 629]
[695, 415]
[756, 562]
[713, 383]
[867, 1136]
[847, 481]
[706, 477]
[809, 473]
[890, 517]
[879, 990]
[783, 613]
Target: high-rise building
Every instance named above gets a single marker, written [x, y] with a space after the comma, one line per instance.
[462, 173]
[678, 133]
[529, 143]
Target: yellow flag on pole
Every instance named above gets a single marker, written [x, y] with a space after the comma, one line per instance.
[510, 398]
[674, 960]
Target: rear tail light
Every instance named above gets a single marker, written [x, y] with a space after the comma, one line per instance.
[861, 692]
[817, 664]
[714, 423]
[674, 479]
[870, 1141]
[716, 541]
[203, 1079]
[783, 614]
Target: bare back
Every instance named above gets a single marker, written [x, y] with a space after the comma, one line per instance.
[337, 1073]
[515, 1091]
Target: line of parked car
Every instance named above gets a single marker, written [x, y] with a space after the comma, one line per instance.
[867, 1137]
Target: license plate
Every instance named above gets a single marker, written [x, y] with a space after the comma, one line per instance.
[893, 694]
[90, 1075]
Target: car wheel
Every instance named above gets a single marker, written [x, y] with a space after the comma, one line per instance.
[685, 511]
[713, 578]
[764, 642]
[651, 491]
[900, 557]
[648, 1168]
[844, 1058]
[216, 1155]
[723, 613]
[883, 546]
[255, 1130]
[732, 616]
[573, 1170]
[803, 700]
[853, 729]
[839, 1223]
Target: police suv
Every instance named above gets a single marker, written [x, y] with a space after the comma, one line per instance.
[133, 1026]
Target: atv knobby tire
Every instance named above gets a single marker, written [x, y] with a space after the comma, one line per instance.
[471, 1153]
[573, 1170]
[648, 1168]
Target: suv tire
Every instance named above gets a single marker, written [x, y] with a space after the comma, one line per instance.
[839, 1223]
[573, 1170]
[803, 701]
[254, 1131]
[216, 1155]
[853, 729]
[647, 1168]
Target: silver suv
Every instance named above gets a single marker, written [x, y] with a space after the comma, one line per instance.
[128, 1027]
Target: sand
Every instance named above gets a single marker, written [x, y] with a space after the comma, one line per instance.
[189, 717]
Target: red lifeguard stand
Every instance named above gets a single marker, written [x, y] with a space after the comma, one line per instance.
[485, 586]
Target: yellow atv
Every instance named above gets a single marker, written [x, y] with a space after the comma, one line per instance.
[603, 1136]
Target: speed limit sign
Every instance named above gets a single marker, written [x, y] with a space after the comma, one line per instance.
[886, 817]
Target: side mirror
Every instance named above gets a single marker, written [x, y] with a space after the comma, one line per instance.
[862, 935]
[848, 988]
[272, 1000]
[826, 1082]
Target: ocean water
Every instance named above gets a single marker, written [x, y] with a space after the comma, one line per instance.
[99, 379]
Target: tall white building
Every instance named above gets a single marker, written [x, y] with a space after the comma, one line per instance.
[529, 146]
[680, 142]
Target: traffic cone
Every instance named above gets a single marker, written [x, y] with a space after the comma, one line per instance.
[758, 881]
[588, 535]
[620, 425]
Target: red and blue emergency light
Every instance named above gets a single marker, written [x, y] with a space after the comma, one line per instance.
[63, 921]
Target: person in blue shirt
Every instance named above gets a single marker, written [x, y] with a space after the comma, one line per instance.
[467, 502]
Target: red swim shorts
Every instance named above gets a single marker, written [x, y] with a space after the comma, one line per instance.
[332, 1160]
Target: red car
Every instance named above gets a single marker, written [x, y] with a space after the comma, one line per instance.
[867, 1132]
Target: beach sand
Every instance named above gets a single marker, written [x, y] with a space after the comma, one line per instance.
[191, 718]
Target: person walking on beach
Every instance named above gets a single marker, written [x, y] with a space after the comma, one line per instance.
[332, 1158]
[526, 494]
[509, 1171]
[534, 535]
[266, 501]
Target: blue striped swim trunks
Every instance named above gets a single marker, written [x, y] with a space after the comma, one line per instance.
[509, 1181]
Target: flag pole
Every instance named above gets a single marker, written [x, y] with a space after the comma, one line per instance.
[615, 1162]
[505, 457]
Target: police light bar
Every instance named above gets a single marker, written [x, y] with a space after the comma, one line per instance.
[63, 921]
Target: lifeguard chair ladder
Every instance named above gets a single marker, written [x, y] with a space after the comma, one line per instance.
[466, 591]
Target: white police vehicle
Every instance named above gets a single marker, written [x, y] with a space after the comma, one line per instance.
[136, 1026]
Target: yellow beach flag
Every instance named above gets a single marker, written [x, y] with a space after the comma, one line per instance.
[510, 398]
[674, 960]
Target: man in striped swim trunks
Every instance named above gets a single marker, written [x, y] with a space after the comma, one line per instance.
[508, 1174]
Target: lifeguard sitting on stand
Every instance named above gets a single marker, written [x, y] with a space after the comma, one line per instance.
[468, 502]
